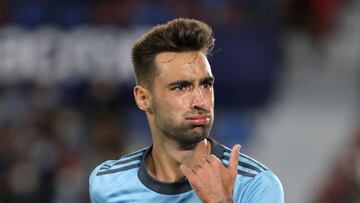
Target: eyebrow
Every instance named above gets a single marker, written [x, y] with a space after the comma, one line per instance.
[187, 82]
[208, 79]
[180, 82]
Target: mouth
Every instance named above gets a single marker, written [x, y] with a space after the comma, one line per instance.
[198, 119]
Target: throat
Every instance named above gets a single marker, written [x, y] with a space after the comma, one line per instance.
[163, 163]
[164, 167]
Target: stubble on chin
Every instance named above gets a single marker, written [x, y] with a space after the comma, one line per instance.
[187, 139]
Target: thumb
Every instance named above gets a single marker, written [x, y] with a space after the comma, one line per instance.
[233, 161]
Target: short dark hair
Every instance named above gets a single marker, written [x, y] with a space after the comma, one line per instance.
[178, 35]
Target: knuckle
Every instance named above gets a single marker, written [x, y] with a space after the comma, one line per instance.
[204, 162]
[213, 158]
[196, 168]
[217, 164]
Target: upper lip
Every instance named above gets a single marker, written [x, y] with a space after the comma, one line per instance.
[205, 116]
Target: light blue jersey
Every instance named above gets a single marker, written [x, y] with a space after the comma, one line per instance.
[127, 180]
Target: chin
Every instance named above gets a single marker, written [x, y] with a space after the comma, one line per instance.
[190, 139]
[199, 131]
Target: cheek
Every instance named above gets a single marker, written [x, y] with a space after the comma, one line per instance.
[169, 102]
[177, 102]
[209, 96]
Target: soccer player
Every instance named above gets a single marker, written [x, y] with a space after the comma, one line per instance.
[175, 90]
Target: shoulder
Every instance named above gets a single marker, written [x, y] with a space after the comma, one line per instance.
[251, 170]
[255, 181]
[264, 187]
[114, 172]
[124, 163]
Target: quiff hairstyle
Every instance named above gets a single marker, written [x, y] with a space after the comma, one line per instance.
[178, 35]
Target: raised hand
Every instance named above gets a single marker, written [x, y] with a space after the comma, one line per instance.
[211, 180]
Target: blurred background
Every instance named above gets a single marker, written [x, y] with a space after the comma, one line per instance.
[287, 89]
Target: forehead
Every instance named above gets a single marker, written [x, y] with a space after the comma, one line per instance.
[182, 65]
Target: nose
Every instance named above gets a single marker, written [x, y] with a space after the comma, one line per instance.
[199, 101]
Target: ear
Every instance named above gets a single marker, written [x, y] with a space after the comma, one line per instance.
[142, 97]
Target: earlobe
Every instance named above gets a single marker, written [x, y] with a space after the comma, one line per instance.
[141, 97]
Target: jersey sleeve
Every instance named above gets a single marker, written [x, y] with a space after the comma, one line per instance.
[92, 186]
[264, 188]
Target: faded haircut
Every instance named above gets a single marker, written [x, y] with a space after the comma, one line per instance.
[178, 35]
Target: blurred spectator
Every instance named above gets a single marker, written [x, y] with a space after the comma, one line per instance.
[343, 183]
[47, 147]
[317, 17]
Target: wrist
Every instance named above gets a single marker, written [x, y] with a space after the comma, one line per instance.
[227, 200]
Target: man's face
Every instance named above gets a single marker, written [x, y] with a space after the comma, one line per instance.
[183, 97]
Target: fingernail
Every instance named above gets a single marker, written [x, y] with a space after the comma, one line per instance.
[238, 147]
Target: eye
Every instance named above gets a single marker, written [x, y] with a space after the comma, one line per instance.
[207, 85]
[181, 87]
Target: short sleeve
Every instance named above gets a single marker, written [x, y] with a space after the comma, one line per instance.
[92, 185]
[264, 188]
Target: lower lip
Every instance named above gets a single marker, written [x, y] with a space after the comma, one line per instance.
[199, 121]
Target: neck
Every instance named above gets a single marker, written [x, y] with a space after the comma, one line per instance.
[166, 157]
